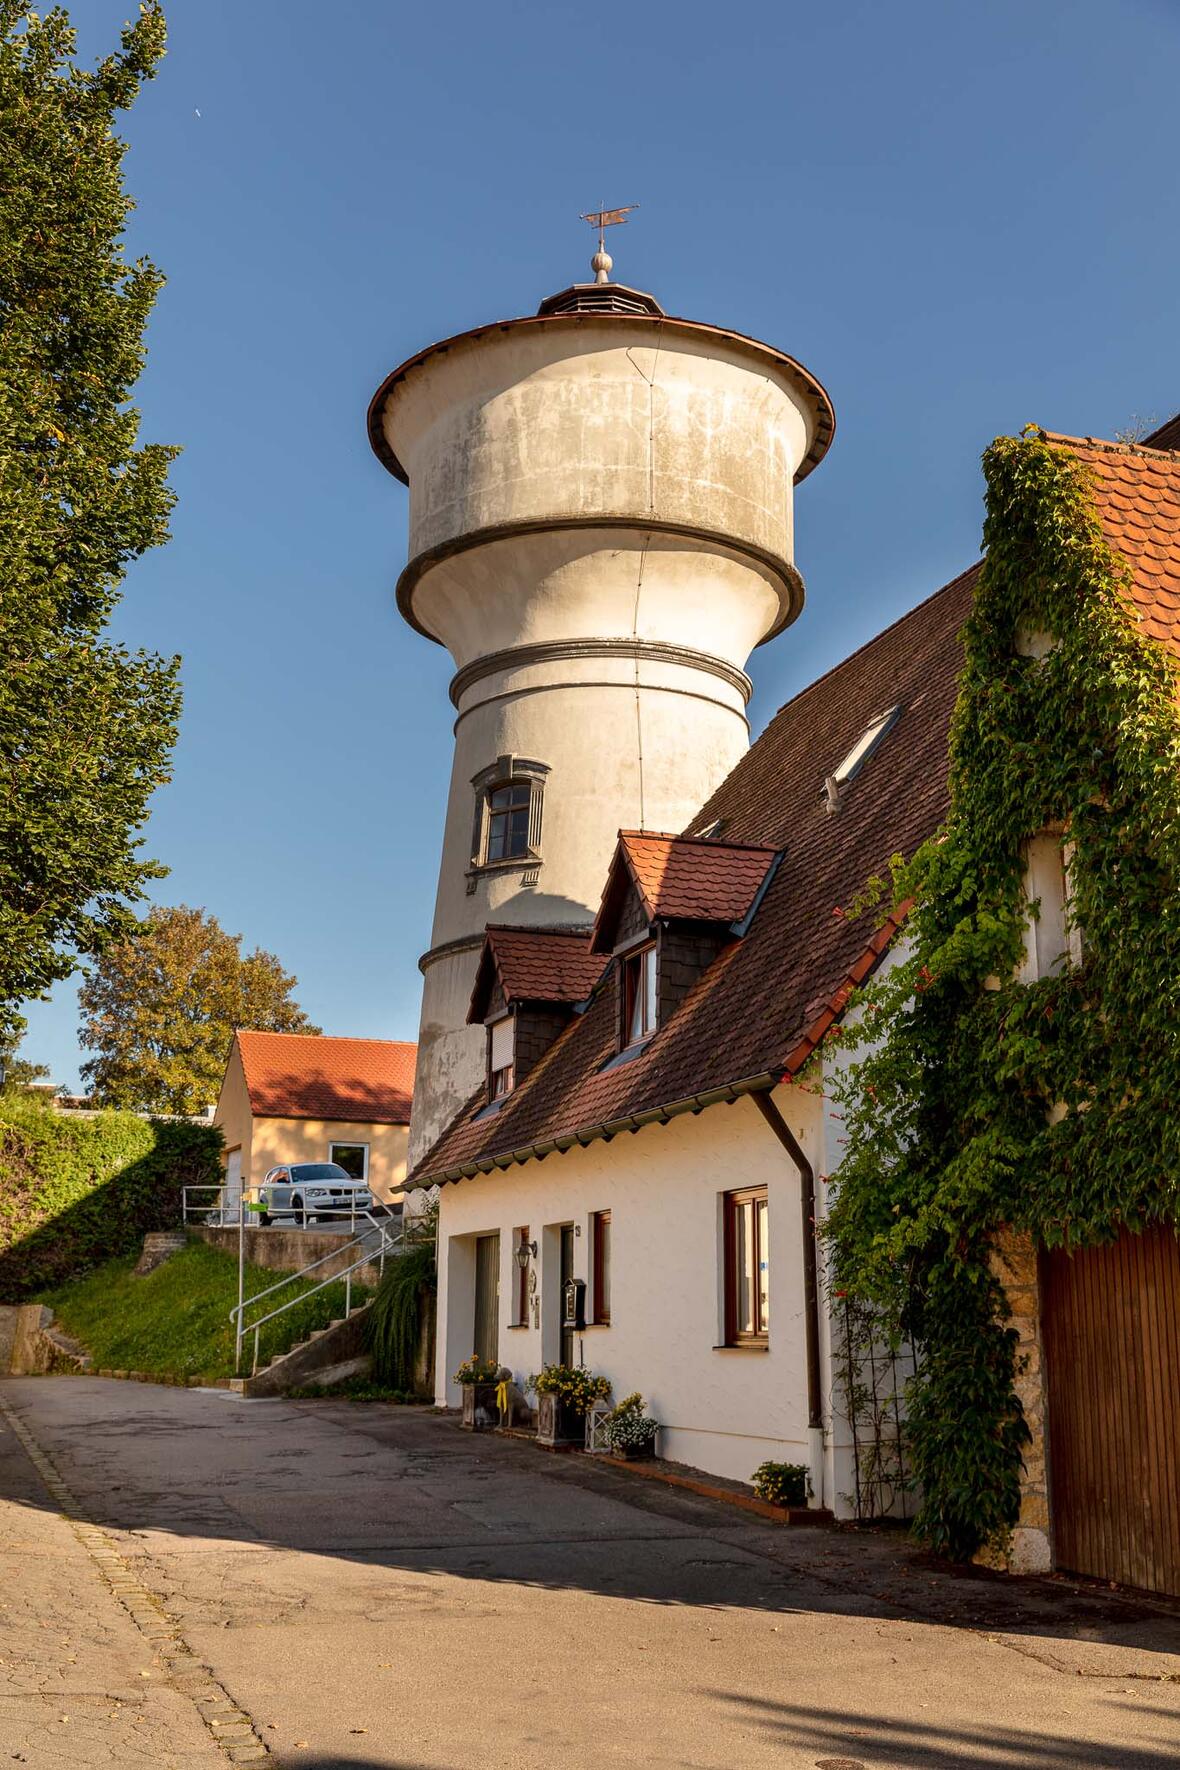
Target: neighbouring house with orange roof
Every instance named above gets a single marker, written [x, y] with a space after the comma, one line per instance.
[297, 1097]
[636, 1182]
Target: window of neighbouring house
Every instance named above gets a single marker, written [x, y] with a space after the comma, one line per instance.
[600, 1254]
[639, 995]
[501, 1056]
[352, 1157]
[747, 1268]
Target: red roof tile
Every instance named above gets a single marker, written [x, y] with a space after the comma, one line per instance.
[308, 1076]
[1137, 496]
[682, 878]
[534, 965]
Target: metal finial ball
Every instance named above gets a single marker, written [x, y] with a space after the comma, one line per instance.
[602, 264]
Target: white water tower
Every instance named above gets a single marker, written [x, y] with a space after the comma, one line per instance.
[601, 531]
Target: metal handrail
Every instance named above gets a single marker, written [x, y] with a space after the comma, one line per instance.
[237, 1315]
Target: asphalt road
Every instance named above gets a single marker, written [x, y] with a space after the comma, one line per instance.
[331, 1585]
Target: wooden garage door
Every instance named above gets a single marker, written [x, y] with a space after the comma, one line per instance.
[1111, 1323]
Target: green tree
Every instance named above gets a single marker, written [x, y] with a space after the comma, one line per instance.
[162, 1005]
[86, 727]
[17, 1072]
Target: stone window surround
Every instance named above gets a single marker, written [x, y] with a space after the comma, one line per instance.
[505, 771]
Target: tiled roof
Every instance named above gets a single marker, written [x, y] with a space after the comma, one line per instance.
[762, 1006]
[308, 1076]
[535, 965]
[683, 878]
[759, 1007]
[1166, 437]
[1137, 493]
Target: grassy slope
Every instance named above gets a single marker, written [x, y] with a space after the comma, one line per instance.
[175, 1320]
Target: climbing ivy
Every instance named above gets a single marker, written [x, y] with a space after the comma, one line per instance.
[973, 1100]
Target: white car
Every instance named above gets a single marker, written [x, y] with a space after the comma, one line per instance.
[307, 1190]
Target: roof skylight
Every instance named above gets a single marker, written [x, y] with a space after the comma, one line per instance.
[864, 746]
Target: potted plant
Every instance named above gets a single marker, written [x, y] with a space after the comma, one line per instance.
[479, 1378]
[630, 1432]
[783, 1484]
[564, 1396]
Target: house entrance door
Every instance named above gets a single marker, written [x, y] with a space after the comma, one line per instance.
[1111, 1325]
[486, 1339]
[567, 1272]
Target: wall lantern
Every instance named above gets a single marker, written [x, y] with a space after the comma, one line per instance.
[524, 1251]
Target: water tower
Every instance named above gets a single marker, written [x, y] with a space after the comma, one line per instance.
[601, 531]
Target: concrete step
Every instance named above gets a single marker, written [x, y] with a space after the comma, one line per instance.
[339, 1348]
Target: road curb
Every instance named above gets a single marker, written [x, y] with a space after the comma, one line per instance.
[230, 1729]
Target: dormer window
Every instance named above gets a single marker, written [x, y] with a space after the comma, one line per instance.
[501, 1057]
[507, 829]
[639, 995]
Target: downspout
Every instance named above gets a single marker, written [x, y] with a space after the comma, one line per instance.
[815, 1414]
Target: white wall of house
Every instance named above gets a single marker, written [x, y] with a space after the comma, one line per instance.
[724, 1410]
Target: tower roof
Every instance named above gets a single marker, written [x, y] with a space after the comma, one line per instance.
[600, 298]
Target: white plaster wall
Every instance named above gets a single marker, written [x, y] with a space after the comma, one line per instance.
[600, 582]
[581, 415]
[724, 1411]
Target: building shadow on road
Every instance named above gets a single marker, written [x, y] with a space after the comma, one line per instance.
[845, 1740]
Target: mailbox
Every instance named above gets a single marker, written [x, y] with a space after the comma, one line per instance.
[573, 1303]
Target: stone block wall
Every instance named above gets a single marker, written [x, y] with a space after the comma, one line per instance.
[1014, 1262]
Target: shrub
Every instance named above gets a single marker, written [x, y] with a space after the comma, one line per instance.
[76, 1192]
[783, 1484]
[394, 1323]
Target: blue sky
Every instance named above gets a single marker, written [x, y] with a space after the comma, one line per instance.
[959, 217]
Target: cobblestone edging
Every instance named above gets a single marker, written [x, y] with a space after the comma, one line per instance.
[226, 1724]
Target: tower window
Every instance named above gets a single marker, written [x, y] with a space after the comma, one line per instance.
[508, 821]
[639, 995]
[507, 828]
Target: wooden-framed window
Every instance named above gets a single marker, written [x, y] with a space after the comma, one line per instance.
[747, 1268]
[600, 1257]
[501, 1056]
[639, 995]
[520, 1239]
[508, 821]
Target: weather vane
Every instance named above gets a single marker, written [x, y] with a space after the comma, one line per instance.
[602, 263]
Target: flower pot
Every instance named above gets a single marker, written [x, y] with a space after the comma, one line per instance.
[557, 1423]
[634, 1453]
[479, 1407]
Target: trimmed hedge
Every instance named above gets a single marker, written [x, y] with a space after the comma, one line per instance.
[75, 1192]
